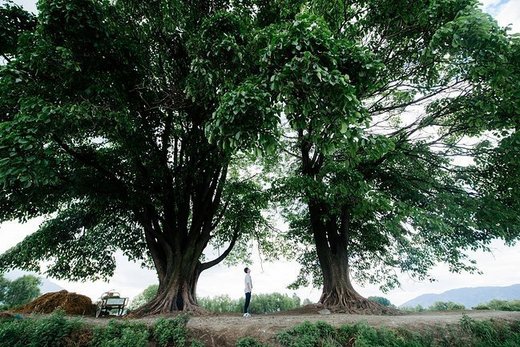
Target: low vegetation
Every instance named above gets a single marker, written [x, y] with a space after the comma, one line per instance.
[262, 303]
[468, 332]
[500, 305]
[436, 306]
[60, 331]
[497, 305]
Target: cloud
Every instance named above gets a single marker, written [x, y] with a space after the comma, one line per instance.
[509, 14]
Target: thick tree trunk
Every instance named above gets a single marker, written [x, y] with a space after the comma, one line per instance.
[176, 292]
[338, 294]
[330, 236]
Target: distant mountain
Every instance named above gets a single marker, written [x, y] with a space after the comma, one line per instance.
[46, 286]
[469, 297]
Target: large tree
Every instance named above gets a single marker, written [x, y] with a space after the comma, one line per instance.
[381, 104]
[103, 108]
[19, 291]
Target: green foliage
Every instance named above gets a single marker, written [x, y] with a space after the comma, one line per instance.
[380, 300]
[116, 334]
[260, 303]
[19, 291]
[500, 305]
[169, 332]
[144, 297]
[491, 333]
[436, 306]
[469, 332]
[53, 330]
[249, 342]
[103, 111]
[418, 308]
[446, 306]
[220, 304]
[14, 21]
[307, 335]
[120, 122]
[57, 330]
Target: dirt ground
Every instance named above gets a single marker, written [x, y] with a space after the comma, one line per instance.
[225, 330]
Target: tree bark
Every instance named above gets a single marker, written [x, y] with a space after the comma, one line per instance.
[175, 293]
[177, 237]
[338, 294]
[330, 232]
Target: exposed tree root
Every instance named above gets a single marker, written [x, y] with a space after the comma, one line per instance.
[348, 302]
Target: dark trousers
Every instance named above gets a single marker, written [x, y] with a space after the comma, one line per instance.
[248, 300]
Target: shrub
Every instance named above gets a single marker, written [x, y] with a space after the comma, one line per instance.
[171, 331]
[491, 332]
[144, 297]
[220, 304]
[500, 305]
[249, 342]
[260, 303]
[417, 308]
[446, 306]
[380, 300]
[49, 331]
[307, 335]
[117, 334]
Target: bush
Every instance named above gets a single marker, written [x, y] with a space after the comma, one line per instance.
[500, 305]
[171, 331]
[260, 303]
[491, 332]
[468, 333]
[49, 331]
[144, 297]
[249, 342]
[307, 335]
[380, 300]
[117, 334]
[446, 306]
[220, 304]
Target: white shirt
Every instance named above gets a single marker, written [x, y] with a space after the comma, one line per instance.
[248, 283]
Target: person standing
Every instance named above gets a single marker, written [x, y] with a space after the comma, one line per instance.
[248, 288]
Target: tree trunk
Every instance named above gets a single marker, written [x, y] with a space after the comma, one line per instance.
[176, 292]
[330, 237]
[338, 294]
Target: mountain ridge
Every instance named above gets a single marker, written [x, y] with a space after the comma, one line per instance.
[467, 296]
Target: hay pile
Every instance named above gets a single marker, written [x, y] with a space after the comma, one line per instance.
[70, 303]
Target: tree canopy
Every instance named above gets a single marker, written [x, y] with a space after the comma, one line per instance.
[102, 118]
[391, 125]
[398, 125]
[19, 291]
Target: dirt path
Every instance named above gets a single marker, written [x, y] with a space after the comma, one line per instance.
[225, 330]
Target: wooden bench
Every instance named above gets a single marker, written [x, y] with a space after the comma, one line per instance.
[109, 303]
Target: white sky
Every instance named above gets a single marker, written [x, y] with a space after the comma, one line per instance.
[500, 268]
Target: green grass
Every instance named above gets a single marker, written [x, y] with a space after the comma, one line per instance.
[468, 333]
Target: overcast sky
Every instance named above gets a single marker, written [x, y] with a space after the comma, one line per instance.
[500, 268]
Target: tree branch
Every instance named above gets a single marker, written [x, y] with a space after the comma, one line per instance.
[207, 265]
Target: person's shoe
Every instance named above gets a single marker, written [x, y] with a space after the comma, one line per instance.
[245, 315]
